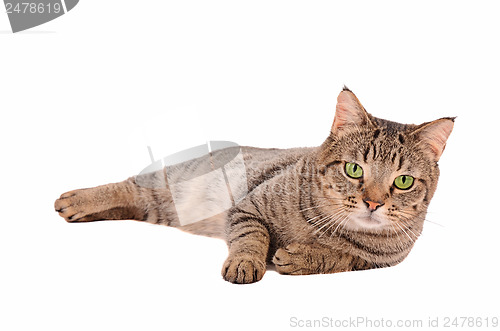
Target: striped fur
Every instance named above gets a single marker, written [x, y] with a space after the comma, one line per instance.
[302, 212]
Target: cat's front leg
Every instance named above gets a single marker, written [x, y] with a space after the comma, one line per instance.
[248, 240]
[306, 259]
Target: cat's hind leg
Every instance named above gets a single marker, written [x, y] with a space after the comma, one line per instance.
[119, 201]
[115, 201]
[128, 200]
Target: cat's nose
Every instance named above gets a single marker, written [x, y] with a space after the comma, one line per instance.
[372, 205]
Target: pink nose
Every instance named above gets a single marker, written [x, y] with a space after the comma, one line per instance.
[372, 205]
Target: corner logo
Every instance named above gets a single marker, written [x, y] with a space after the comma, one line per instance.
[26, 14]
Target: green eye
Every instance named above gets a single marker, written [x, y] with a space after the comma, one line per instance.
[403, 182]
[353, 170]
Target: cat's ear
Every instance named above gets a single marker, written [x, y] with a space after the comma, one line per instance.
[434, 135]
[349, 111]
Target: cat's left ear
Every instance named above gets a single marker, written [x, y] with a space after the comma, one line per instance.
[434, 135]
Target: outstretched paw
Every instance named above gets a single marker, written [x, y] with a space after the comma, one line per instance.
[75, 206]
[243, 269]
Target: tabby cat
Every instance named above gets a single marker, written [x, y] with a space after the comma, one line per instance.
[356, 202]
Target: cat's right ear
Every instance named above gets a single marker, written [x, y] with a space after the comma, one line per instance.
[349, 111]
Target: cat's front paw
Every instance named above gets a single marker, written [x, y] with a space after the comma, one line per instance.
[243, 269]
[74, 206]
[292, 260]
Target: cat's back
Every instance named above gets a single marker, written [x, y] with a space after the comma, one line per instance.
[264, 163]
[203, 189]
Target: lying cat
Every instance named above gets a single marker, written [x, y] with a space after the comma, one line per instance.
[356, 202]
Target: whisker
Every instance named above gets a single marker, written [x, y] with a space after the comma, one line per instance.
[398, 225]
[315, 217]
[340, 223]
[330, 222]
[419, 217]
[397, 236]
[322, 204]
[344, 223]
[329, 198]
[441, 225]
[309, 208]
[407, 227]
[320, 221]
[331, 211]
[327, 219]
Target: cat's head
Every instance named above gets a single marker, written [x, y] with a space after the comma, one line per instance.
[379, 175]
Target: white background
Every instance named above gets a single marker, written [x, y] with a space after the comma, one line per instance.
[82, 96]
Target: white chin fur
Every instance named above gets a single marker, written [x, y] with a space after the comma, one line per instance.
[368, 221]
